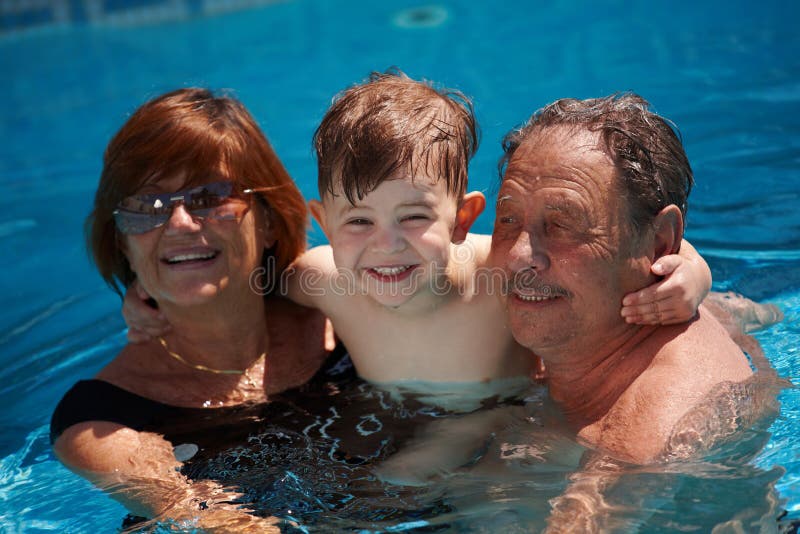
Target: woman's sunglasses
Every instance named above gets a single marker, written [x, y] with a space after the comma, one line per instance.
[138, 214]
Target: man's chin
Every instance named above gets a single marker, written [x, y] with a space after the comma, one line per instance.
[536, 333]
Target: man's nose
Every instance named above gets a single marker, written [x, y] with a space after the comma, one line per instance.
[388, 239]
[528, 253]
[181, 220]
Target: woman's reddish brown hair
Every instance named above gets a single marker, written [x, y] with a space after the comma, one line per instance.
[200, 135]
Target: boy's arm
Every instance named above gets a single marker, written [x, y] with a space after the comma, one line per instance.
[674, 299]
[143, 320]
[307, 282]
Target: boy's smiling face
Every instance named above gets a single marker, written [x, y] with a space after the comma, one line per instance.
[395, 242]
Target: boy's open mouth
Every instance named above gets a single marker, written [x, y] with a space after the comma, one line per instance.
[391, 273]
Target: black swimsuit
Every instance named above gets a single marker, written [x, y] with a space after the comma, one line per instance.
[212, 429]
[318, 440]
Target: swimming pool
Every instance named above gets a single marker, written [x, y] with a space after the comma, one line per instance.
[727, 73]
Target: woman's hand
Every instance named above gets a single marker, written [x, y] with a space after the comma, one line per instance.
[144, 321]
[674, 299]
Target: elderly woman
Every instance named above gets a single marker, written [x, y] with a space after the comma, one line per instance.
[192, 200]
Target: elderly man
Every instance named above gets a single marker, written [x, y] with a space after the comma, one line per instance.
[593, 192]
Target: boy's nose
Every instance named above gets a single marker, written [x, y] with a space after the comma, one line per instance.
[527, 253]
[388, 240]
[181, 220]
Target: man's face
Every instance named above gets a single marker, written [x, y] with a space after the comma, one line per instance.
[396, 240]
[562, 239]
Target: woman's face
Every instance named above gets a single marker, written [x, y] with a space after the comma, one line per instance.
[189, 260]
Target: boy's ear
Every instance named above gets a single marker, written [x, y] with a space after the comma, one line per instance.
[668, 231]
[471, 206]
[317, 210]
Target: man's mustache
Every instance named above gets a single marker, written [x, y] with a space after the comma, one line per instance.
[528, 283]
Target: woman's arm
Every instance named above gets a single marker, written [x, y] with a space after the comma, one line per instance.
[139, 470]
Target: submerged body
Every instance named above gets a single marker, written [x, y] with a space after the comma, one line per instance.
[593, 193]
[186, 206]
[448, 329]
[562, 218]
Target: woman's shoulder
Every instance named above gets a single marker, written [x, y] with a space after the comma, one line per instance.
[98, 400]
[300, 340]
[295, 326]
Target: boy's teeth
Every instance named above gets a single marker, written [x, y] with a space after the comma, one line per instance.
[190, 257]
[388, 271]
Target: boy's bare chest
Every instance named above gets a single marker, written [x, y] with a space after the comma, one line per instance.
[463, 342]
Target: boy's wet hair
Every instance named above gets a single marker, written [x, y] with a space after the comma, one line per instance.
[391, 123]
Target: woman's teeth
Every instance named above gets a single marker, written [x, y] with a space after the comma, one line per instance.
[191, 257]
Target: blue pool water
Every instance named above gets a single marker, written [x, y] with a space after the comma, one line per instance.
[727, 73]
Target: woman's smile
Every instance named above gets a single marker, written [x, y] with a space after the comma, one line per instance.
[190, 258]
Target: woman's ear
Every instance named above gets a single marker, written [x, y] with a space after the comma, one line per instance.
[121, 243]
[668, 231]
[317, 210]
[470, 207]
[268, 226]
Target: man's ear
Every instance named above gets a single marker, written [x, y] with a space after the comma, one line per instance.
[470, 207]
[317, 210]
[668, 231]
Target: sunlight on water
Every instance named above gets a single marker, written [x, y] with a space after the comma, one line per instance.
[732, 91]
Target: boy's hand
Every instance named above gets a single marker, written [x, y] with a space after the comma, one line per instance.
[144, 322]
[674, 299]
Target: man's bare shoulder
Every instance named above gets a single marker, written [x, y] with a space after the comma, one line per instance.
[702, 352]
[690, 361]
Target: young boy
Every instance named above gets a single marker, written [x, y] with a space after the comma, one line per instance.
[407, 288]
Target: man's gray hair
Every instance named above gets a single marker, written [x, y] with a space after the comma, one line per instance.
[654, 171]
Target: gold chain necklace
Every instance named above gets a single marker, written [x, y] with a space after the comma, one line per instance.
[203, 367]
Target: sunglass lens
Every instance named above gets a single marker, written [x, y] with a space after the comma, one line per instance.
[138, 214]
[206, 197]
[129, 222]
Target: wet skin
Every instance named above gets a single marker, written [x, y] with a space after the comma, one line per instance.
[188, 261]
[561, 235]
[396, 240]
